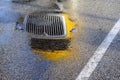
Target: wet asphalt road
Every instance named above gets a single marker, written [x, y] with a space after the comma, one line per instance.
[96, 18]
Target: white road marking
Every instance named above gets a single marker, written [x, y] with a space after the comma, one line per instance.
[95, 59]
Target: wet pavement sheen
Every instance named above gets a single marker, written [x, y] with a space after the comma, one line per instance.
[17, 60]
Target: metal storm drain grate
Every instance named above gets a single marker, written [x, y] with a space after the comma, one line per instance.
[45, 25]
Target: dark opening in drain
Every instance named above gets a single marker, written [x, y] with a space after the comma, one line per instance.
[50, 44]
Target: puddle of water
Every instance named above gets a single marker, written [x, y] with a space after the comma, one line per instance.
[58, 53]
[73, 50]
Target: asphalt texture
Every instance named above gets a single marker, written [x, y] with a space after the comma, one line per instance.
[95, 19]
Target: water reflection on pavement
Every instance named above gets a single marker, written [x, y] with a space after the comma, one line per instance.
[17, 60]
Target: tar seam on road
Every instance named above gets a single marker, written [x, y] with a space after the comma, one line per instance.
[95, 59]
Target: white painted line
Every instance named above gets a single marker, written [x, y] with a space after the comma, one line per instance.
[95, 59]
